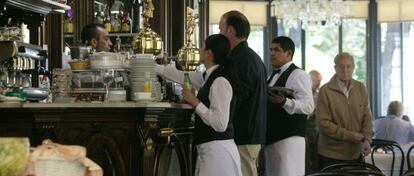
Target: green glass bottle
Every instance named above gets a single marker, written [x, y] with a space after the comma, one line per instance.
[187, 83]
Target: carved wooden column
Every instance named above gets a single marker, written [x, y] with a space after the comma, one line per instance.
[177, 29]
[203, 6]
[54, 39]
[34, 24]
[83, 11]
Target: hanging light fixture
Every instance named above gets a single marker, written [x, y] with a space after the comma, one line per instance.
[311, 12]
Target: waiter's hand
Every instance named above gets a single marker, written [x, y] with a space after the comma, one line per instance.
[189, 97]
[366, 148]
[277, 99]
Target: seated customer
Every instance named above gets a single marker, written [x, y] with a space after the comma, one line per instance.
[393, 127]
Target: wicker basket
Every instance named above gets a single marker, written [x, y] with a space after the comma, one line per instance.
[79, 65]
[58, 167]
[51, 159]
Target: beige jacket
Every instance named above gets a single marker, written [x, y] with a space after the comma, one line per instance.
[338, 116]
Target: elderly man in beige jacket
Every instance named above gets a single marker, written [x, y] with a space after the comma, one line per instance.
[343, 116]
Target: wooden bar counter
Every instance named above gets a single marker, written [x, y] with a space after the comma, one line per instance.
[125, 138]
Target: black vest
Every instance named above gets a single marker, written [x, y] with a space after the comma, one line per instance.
[280, 124]
[202, 132]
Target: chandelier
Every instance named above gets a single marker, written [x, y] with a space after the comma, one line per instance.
[311, 12]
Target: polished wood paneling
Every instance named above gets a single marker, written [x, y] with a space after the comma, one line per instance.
[54, 39]
[118, 139]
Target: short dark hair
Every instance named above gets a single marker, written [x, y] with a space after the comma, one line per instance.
[239, 22]
[220, 46]
[90, 31]
[286, 43]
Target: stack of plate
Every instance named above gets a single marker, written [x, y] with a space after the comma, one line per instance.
[141, 73]
[106, 60]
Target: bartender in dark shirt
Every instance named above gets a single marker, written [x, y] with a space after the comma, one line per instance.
[250, 114]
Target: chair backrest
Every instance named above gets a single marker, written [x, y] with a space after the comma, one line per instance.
[365, 172]
[408, 156]
[409, 172]
[351, 166]
[330, 173]
[388, 146]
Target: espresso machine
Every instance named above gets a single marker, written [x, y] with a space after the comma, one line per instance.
[20, 66]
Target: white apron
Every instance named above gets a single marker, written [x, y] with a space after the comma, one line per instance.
[286, 157]
[218, 158]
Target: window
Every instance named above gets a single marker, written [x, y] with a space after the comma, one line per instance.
[390, 64]
[255, 40]
[397, 40]
[354, 42]
[295, 33]
[408, 65]
[322, 44]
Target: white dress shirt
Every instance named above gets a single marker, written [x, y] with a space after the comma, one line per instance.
[221, 92]
[301, 83]
[287, 157]
[344, 87]
[225, 153]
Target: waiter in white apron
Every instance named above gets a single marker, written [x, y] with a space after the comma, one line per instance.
[287, 112]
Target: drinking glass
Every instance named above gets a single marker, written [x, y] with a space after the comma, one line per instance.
[107, 76]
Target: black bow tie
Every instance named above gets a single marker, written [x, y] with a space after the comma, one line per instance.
[277, 71]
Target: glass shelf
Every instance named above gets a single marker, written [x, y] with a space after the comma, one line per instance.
[68, 35]
[122, 34]
[39, 6]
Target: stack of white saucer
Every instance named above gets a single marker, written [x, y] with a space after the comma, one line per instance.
[141, 71]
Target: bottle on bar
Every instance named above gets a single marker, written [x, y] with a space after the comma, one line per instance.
[69, 26]
[187, 83]
[116, 26]
[100, 16]
[126, 23]
[69, 22]
[107, 21]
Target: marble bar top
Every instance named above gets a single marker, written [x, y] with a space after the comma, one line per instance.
[130, 104]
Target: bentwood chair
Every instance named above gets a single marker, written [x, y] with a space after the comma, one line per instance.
[388, 146]
[409, 172]
[408, 156]
[330, 173]
[354, 168]
[351, 166]
[348, 169]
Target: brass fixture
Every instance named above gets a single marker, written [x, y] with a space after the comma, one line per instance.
[189, 55]
[167, 133]
[147, 41]
[149, 143]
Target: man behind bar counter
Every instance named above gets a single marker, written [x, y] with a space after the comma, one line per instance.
[96, 36]
[250, 114]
